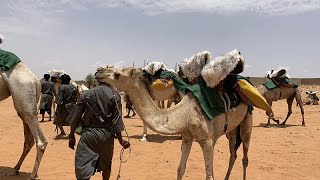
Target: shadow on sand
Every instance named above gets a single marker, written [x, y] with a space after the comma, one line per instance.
[5, 174]
[263, 125]
[158, 138]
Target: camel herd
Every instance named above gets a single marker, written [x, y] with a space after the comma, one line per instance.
[185, 118]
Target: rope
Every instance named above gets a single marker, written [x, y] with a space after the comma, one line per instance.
[121, 155]
[125, 130]
[225, 112]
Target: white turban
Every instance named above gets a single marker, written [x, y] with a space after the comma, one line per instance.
[1, 38]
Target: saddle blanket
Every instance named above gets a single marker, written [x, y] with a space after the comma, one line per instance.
[7, 60]
[269, 84]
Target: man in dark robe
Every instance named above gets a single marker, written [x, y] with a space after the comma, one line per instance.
[65, 100]
[47, 93]
[129, 106]
[95, 148]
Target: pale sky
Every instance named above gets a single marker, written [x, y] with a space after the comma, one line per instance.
[80, 35]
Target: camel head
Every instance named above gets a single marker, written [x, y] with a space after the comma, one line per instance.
[123, 79]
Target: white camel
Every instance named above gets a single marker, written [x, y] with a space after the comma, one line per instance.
[186, 118]
[25, 89]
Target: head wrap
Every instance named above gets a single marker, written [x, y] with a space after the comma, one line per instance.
[103, 72]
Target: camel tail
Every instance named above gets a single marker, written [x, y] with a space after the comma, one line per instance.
[298, 98]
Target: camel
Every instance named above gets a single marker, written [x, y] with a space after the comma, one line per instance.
[311, 99]
[288, 93]
[187, 119]
[25, 89]
[168, 94]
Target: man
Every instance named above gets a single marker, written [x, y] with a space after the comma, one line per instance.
[65, 100]
[128, 106]
[95, 148]
[47, 93]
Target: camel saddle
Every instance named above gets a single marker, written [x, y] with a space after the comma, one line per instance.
[280, 82]
[8, 60]
[162, 83]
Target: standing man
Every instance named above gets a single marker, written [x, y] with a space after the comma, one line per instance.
[47, 93]
[65, 100]
[99, 111]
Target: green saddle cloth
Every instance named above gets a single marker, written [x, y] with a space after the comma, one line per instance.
[7, 60]
[209, 99]
[269, 84]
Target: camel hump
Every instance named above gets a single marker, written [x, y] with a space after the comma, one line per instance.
[218, 69]
[153, 67]
[191, 67]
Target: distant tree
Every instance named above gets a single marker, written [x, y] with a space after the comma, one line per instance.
[90, 80]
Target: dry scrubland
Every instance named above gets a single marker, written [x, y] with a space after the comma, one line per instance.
[290, 153]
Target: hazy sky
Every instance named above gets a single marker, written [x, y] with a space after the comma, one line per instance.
[80, 35]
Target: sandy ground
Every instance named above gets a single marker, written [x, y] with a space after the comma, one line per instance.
[290, 153]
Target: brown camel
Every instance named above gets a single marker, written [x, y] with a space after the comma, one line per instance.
[288, 93]
[24, 87]
[188, 119]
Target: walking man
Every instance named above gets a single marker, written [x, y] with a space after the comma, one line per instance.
[65, 100]
[47, 93]
[99, 111]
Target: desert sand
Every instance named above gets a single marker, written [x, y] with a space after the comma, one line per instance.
[289, 153]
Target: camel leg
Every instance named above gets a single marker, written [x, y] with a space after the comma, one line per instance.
[38, 136]
[169, 103]
[207, 151]
[162, 105]
[40, 152]
[289, 102]
[299, 101]
[245, 134]
[271, 116]
[144, 135]
[159, 104]
[28, 144]
[185, 151]
[234, 144]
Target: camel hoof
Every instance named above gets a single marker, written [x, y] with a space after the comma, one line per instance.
[283, 124]
[41, 145]
[267, 126]
[143, 139]
[304, 124]
[33, 177]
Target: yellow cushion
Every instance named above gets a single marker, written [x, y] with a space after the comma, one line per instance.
[251, 94]
[159, 85]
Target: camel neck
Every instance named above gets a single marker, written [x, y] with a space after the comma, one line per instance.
[163, 121]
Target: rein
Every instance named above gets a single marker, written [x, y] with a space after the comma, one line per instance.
[122, 160]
